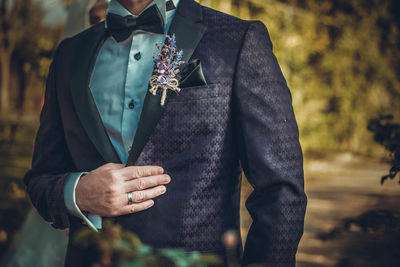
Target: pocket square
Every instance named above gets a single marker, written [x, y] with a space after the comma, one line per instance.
[191, 74]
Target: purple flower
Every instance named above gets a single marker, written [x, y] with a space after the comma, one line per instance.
[161, 66]
[167, 60]
[163, 79]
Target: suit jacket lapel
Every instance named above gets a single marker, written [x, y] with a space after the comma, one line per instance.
[84, 104]
[188, 33]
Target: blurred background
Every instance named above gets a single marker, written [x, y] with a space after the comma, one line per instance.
[341, 59]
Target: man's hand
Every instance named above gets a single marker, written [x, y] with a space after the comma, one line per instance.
[104, 191]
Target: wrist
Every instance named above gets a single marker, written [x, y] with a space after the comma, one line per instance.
[79, 195]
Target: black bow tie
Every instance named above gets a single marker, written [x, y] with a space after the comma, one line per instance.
[121, 27]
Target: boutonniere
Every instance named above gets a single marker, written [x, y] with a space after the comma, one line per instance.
[166, 72]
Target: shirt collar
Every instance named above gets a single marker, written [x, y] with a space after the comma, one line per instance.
[116, 8]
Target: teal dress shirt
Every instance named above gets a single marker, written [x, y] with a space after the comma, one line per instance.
[119, 84]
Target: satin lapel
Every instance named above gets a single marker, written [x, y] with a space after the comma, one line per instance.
[85, 106]
[188, 34]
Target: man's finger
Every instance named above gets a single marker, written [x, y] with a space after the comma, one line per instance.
[141, 196]
[133, 172]
[136, 207]
[146, 182]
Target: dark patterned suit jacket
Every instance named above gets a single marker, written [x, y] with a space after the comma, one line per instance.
[204, 137]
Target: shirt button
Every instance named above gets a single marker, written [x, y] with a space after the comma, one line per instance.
[131, 105]
[138, 56]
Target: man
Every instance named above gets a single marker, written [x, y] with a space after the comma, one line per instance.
[171, 173]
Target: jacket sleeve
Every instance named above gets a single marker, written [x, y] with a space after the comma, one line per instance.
[51, 162]
[270, 153]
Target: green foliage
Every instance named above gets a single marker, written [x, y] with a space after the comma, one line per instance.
[340, 71]
[114, 247]
[387, 134]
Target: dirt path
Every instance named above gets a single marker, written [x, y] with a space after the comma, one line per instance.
[337, 188]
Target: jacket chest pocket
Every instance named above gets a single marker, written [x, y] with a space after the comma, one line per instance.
[197, 108]
[192, 118]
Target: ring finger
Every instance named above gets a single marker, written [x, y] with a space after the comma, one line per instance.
[143, 195]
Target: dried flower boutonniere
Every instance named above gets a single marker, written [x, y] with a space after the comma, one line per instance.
[167, 61]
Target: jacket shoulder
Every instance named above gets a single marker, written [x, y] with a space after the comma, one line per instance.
[213, 16]
[82, 35]
[223, 22]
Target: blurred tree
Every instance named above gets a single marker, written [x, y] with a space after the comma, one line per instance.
[7, 45]
[26, 46]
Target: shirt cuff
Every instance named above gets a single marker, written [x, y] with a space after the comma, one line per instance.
[92, 220]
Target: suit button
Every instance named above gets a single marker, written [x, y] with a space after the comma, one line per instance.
[138, 56]
[131, 105]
